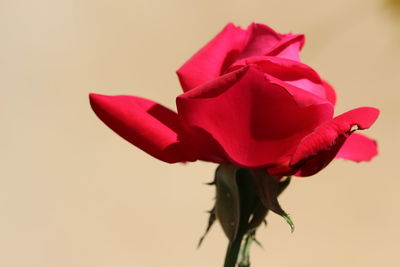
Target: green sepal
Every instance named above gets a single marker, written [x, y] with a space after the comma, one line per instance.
[243, 199]
[236, 203]
[211, 219]
[268, 189]
[227, 203]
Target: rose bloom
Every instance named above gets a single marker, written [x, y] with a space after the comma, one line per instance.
[247, 100]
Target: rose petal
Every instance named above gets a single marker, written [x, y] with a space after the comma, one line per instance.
[146, 124]
[264, 41]
[256, 122]
[317, 149]
[358, 148]
[233, 43]
[289, 71]
[329, 92]
[213, 58]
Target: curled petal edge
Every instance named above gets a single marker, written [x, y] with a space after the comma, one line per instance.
[320, 147]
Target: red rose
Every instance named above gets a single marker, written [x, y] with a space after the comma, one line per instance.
[248, 100]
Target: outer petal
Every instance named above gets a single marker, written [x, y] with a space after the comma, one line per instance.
[212, 59]
[358, 148]
[317, 149]
[256, 122]
[264, 41]
[146, 124]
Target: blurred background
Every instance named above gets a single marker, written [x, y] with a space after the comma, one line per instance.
[73, 193]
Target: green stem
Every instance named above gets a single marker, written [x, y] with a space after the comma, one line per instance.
[245, 251]
[233, 251]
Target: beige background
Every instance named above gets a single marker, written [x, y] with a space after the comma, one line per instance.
[72, 193]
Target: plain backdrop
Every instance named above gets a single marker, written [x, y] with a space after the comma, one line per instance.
[73, 193]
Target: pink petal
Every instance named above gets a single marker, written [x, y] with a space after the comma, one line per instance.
[358, 148]
[264, 41]
[233, 43]
[256, 122]
[146, 124]
[213, 58]
[317, 149]
[290, 72]
[329, 92]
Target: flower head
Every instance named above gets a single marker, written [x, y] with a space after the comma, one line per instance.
[249, 101]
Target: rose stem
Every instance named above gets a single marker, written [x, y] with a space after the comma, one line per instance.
[233, 251]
